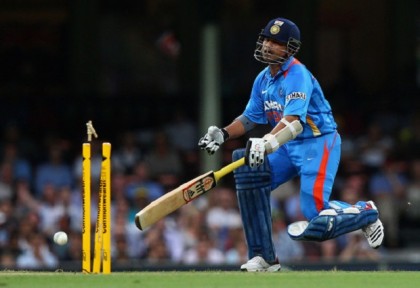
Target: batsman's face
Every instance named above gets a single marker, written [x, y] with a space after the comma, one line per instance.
[273, 50]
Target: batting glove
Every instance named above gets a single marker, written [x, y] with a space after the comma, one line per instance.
[256, 149]
[213, 139]
[255, 152]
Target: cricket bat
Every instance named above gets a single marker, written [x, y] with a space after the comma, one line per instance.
[200, 185]
[182, 195]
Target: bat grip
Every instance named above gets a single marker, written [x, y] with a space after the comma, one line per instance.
[229, 168]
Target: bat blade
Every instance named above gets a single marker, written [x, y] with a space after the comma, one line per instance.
[182, 195]
[175, 199]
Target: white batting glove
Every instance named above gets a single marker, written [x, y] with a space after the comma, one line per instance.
[212, 140]
[255, 152]
[257, 148]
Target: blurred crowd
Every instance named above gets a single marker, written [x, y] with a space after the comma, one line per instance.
[40, 194]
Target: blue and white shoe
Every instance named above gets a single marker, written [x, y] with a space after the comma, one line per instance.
[374, 232]
[258, 264]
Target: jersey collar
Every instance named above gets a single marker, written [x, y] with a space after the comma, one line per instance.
[282, 70]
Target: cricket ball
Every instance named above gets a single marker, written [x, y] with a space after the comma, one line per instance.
[60, 238]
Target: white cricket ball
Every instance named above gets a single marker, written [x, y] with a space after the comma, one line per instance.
[60, 238]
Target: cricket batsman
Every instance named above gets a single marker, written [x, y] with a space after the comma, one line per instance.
[304, 142]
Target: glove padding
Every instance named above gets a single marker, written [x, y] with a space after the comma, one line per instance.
[257, 148]
[212, 140]
[255, 152]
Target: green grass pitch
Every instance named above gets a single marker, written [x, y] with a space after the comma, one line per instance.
[289, 279]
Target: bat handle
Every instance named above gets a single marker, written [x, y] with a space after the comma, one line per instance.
[229, 168]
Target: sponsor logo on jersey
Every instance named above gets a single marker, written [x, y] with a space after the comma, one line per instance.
[272, 105]
[295, 95]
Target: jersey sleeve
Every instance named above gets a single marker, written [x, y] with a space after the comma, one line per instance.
[254, 109]
[299, 88]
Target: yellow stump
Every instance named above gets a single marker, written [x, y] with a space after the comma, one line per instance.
[106, 207]
[102, 249]
[86, 227]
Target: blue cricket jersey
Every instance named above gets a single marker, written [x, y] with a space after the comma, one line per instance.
[292, 91]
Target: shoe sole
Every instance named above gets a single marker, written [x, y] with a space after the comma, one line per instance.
[379, 231]
[273, 268]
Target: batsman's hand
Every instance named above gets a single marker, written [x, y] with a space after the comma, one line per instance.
[257, 148]
[255, 152]
[212, 140]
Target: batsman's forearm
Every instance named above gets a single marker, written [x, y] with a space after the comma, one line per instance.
[288, 132]
[280, 125]
[235, 129]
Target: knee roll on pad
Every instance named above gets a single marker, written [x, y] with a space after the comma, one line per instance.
[329, 225]
[253, 189]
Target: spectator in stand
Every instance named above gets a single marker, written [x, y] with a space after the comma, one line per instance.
[140, 189]
[6, 181]
[25, 202]
[120, 248]
[71, 207]
[189, 222]
[50, 210]
[238, 253]
[204, 252]
[222, 214]
[357, 249]
[38, 254]
[388, 189]
[21, 167]
[54, 171]
[409, 138]
[124, 227]
[165, 231]
[353, 188]
[158, 252]
[14, 136]
[287, 249]
[7, 260]
[28, 226]
[374, 147]
[182, 133]
[292, 204]
[127, 154]
[8, 223]
[412, 202]
[72, 251]
[118, 185]
[165, 162]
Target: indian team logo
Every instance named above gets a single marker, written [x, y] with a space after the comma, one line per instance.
[275, 29]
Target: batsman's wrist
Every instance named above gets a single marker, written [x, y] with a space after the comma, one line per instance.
[271, 143]
[225, 134]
